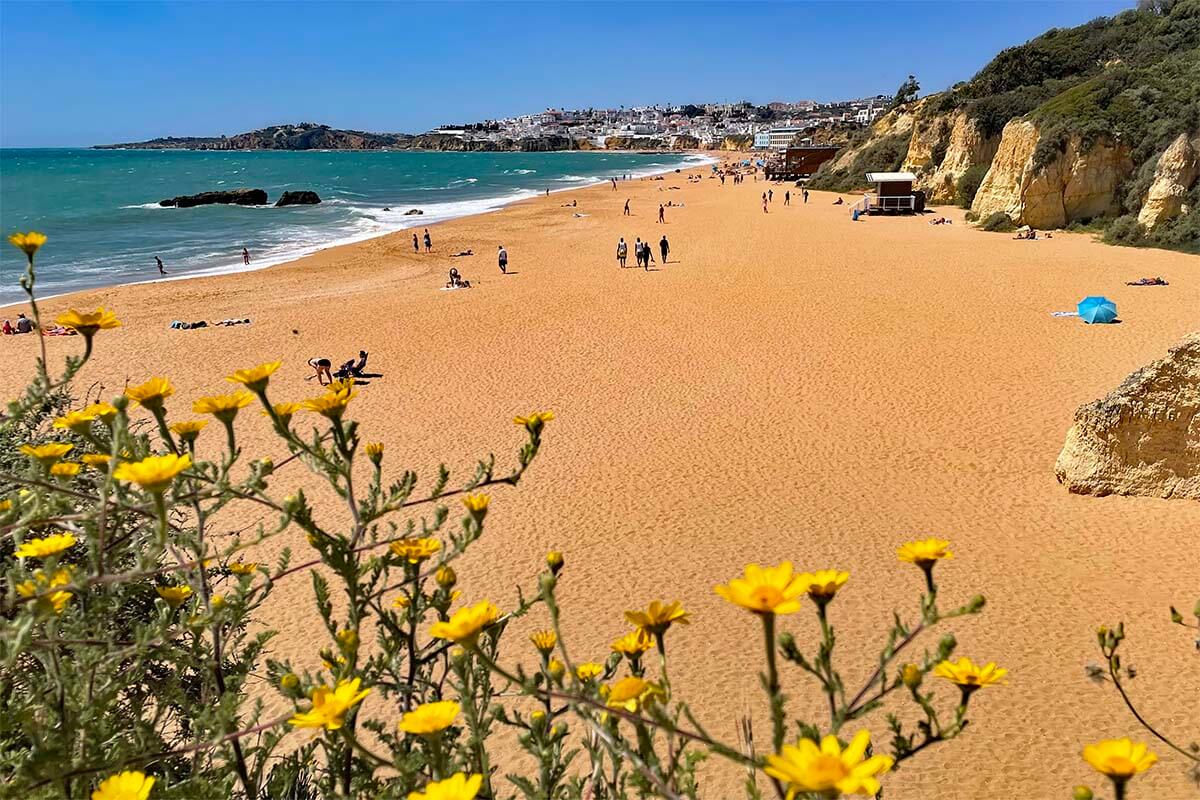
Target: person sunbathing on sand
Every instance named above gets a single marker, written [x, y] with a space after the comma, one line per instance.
[457, 281]
[1155, 281]
[352, 369]
[463, 253]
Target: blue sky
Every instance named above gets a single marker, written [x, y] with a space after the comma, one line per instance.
[85, 73]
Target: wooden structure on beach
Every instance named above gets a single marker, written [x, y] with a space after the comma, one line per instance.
[893, 194]
[798, 162]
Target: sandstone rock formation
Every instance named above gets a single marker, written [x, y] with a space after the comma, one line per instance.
[966, 147]
[1144, 437]
[928, 143]
[237, 197]
[298, 198]
[1078, 183]
[1176, 171]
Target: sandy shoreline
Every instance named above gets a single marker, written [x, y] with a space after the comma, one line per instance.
[486, 205]
[792, 385]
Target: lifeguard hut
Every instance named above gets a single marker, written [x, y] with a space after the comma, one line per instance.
[893, 194]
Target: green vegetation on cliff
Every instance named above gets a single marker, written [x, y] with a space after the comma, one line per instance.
[1133, 78]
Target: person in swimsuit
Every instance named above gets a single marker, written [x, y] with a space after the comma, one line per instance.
[321, 368]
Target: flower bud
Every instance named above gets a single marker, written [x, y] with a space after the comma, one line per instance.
[458, 653]
[375, 452]
[445, 576]
[1176, 617]
[977, 603]
[1081, 793]
[556, 669]
[347, 640]
[266, 466]
[912, 676]
[554, 560]
[289, 681]
[120, 402]
[559, 730]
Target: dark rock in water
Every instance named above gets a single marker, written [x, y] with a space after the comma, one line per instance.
[237, 197]
[302, 198]
[413, 212]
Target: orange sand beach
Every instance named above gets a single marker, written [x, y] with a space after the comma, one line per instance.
[791, 385]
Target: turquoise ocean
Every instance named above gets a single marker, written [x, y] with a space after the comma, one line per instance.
[100, 207]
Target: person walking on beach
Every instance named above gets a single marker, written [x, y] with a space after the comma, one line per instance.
[770, 195]
[428, 241]
[638, 255]
[158, 261]
[622, 252]
[765, 204]
[626, 214]
[662, 214]
[806, 196]
[245, 256]
[416, 244]
[648, 255]
[664, 247]
[787, 198]
[502, 260]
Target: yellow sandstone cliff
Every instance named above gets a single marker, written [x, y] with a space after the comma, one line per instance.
[1077, 183]
[1176, 171]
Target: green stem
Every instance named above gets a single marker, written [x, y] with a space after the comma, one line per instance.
[773, 681]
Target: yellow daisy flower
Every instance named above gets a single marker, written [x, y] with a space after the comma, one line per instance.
[967, 674]
[47, 454]
[48, 546]
[544, 641]
[78, 422]
[476, 503]
[188, 430]
[466, 623]
[124, 786]
[329, 706]
[534, 422]
[27, 243]
[256, 378]
[766, 590]
[88, 322]
[632, 694]
[430, 718]
[414, 551]
[151, 394]
[66, 469]
[829, 769]
[633, 643]
[153, 473]
[174, 595]
[658, 617]
[924, 552]
[285, 412]
[824, 583]
[1119, 759]
[103, 411]
[456, 787]
[589, 670]
[223, 406]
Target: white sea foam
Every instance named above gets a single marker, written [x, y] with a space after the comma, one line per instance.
[146, 205]
[370, 222]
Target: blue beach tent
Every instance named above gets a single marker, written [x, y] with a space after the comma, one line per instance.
[1097, 309]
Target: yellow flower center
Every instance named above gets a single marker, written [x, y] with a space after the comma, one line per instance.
[1119, 765]
[766, 598]
[825, 772]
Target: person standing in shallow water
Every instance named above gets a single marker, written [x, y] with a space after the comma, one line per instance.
[428, 241]
[245, 256]
[502, 259]
[158, 261]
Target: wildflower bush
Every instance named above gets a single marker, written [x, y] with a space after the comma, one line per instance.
[137, 663]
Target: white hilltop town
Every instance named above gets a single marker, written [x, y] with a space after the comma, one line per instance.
[773, 126]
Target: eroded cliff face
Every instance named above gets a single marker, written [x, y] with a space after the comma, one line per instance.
[967, 147]
[1143, 438]
[1078, 183]
[1176, 171]
[898, 121]
[929, 139]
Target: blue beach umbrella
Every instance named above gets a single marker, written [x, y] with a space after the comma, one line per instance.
[1096, 309]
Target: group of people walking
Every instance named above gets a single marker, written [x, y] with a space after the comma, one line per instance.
[642, 251]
